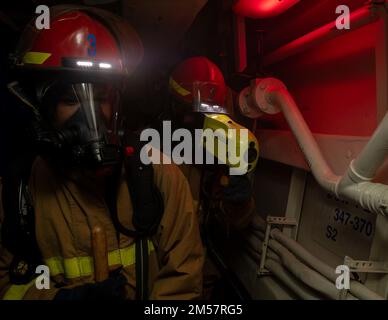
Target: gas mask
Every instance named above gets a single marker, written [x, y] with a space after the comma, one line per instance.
[83, 121]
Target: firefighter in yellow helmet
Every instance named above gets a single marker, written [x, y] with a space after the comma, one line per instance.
[198, 101]
[87, 173]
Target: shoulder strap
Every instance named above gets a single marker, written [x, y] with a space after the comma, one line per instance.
[147, 201]
[142, 270]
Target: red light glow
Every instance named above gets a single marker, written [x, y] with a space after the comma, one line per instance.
[260, 9]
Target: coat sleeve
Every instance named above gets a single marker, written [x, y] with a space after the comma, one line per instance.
[9, 291]
[180, 249]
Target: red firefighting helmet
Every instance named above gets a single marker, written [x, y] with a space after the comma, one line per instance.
[80, 41]
[198, 82]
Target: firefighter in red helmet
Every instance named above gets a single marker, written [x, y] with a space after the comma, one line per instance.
[87, 174]
[198, 87]
[199, 75]
[199, 96]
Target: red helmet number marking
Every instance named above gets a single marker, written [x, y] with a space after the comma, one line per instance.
[92, 49]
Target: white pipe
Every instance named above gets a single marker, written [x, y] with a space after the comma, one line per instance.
[271, 96]
[357, 289]
[322, 172]
[366, 165]
[274, 265]
[308, 277]
[369, 195]
[281, 273]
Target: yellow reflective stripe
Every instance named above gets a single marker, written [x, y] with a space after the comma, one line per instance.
[114, 257]
[55, 265]
[77, 267]
[182, 91]
[128, 256]
[36, 57]
[17, 292]
[84, 266]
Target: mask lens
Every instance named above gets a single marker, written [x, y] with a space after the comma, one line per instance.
[87, 116]
[98, 105]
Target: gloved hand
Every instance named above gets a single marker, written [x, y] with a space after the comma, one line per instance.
[110, 289]
[237, 189]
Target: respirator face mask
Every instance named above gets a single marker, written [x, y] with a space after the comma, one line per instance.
[84, 123]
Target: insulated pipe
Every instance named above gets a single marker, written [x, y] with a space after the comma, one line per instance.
[280, 257]
[273, 264]
[322, 172]
[281, 273]
[307, 275]
[271, 96]
[366, 166]
[370, 196]
[357, 289]
[309, 278]
[353, 185]
[358, 19]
